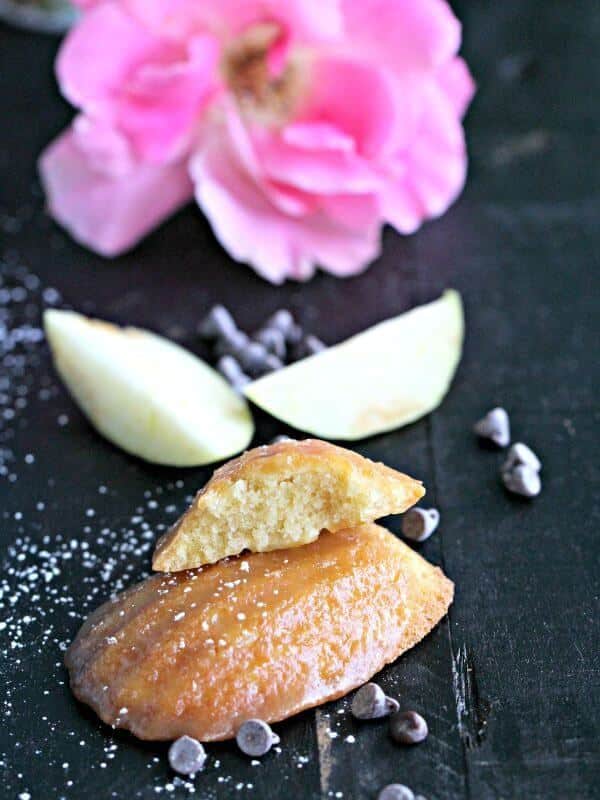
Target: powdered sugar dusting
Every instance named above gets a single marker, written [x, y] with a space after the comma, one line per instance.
[21, 299]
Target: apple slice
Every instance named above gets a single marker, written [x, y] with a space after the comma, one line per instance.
[381, 379]
[147, 395]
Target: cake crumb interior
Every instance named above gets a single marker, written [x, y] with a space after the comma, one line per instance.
[270, 512]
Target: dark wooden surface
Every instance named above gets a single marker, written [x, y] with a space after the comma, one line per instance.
[509, 683]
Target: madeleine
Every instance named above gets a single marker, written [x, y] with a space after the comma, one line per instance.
[282, 495]
[201, 651]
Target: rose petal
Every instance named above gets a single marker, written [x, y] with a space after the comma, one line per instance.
[106, 213]
[305, 21]
[317, 136]
[316, 172]
[327, 150]
[99, 54]
[287, 198]
[362, 212]
[405, 35]
[161, 103]
[256, 231]
[151, 89]
[434, 169]
[243, 220]
[106, 150]
[457, 83]
[356, 99]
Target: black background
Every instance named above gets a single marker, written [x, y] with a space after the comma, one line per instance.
[509, 682]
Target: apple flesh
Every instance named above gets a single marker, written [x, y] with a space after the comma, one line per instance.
[146, 394]
[378, 380]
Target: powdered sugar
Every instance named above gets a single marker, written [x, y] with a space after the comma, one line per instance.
[21, 298]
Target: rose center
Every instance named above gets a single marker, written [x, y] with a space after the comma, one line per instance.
[262, 93]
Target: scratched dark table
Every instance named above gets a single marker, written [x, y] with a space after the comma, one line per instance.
[509, 681]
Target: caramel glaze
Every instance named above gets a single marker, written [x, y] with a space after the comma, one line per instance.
[264, 635]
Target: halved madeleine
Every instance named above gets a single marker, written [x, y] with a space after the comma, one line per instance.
[282, 495]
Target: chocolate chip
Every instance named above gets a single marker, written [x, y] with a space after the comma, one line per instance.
[396, 791]
[272, 363]
[370, 702]
[252, 357]
[186, 756]
[255, 738]
[218, 322]
[256, 361]
[523, 480]
[495, 427]
[273, 340]
[309, 345]
[232, 372]
[393, 705]
[419, 523]
[231, 343]
[283, 321]
[521, 455]
[408, 727]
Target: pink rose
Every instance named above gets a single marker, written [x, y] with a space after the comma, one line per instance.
[300, 127]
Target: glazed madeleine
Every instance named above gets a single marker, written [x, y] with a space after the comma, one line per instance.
[201, 651]
[280, 496]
